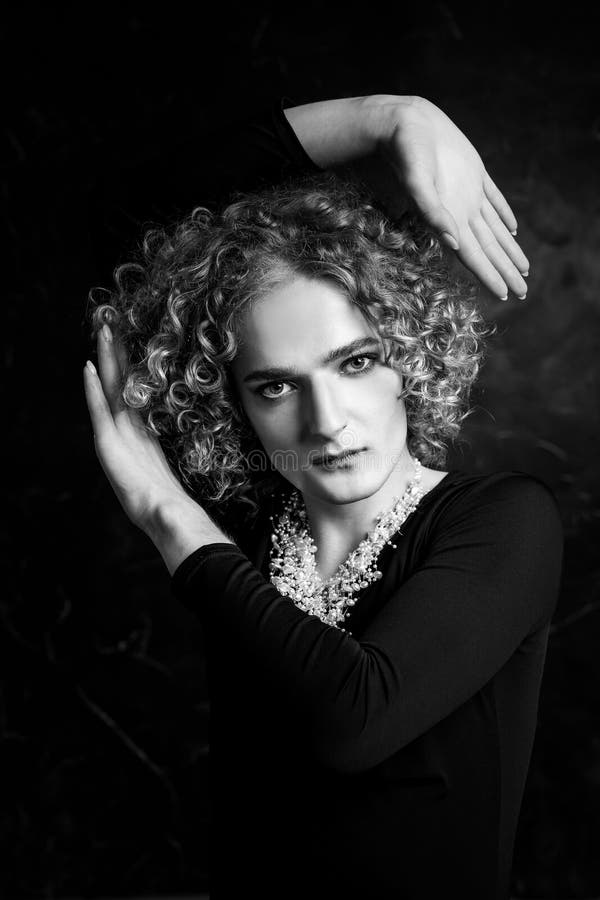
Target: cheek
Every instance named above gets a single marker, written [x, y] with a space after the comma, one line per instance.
[272, 427]
[380, 394]
[383, 409]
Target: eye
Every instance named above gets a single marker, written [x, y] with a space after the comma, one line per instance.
[269, 387]
[370, 359]
[367, 361]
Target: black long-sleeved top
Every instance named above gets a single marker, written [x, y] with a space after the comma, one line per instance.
[388, 761]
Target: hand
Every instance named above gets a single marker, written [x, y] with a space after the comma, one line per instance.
[447, 180]
[130, 455]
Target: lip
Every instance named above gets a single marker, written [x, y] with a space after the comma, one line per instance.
[340, 459]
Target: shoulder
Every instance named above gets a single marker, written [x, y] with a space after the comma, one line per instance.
[502, 530]
[508, 486]
[516, 504]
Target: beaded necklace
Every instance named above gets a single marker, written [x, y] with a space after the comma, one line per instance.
[292, 567]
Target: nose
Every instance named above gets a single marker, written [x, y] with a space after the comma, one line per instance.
[324, 416]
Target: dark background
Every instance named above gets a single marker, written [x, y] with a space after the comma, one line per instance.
[103, 707]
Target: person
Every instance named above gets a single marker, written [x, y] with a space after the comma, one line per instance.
[376, 625]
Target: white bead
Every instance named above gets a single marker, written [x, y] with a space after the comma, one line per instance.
[309, 592]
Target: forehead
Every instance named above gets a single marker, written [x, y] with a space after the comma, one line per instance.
[296, 322]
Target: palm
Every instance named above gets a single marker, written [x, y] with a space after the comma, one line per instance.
[130, 455]
[449, 183]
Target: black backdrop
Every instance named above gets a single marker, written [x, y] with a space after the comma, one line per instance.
[103, 708]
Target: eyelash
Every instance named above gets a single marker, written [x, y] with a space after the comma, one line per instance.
[372, 357]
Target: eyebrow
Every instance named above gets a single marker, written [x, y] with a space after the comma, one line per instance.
[276, 372]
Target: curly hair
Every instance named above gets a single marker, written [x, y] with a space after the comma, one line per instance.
[178, 312]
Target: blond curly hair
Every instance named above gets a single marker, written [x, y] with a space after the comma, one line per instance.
[178, 312]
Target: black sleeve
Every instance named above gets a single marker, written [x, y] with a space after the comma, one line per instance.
[204, 170]
[489, 579]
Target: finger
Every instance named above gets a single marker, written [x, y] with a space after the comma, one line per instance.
[498, 258]
[125, 416]
[110, 369]
[425, 194]
[504, 238]
[121, 352]
[500, 203]
[99, 410]
[105, 433]
[472, 256]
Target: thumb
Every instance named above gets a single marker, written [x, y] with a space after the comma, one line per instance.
[427, 199]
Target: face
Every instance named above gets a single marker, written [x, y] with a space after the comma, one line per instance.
[312, 380]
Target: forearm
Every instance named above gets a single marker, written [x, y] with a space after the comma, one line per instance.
[337, 132]
[180, 528]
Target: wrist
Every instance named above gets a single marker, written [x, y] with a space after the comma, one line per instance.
[339, 132]
[176, 515]
[177, 527]
[382, 114]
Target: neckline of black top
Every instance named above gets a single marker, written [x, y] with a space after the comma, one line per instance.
[438, 489]
[186, 566]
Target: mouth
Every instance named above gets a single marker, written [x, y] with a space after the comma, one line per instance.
[330, 461]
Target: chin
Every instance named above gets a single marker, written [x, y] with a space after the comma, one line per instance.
[344, 487]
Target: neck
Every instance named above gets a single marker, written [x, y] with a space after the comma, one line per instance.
[337, 528]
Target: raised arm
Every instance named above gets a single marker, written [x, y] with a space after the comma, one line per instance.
[433, 162]
[489, 578]
[404, 147]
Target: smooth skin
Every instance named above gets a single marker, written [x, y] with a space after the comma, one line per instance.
[435, 163]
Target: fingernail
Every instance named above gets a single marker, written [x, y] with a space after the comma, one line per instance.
[106, 333]
[91, 367]
[450, 240]
[505, 297]
[525, 274]
[514, 233]
[521, 296]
